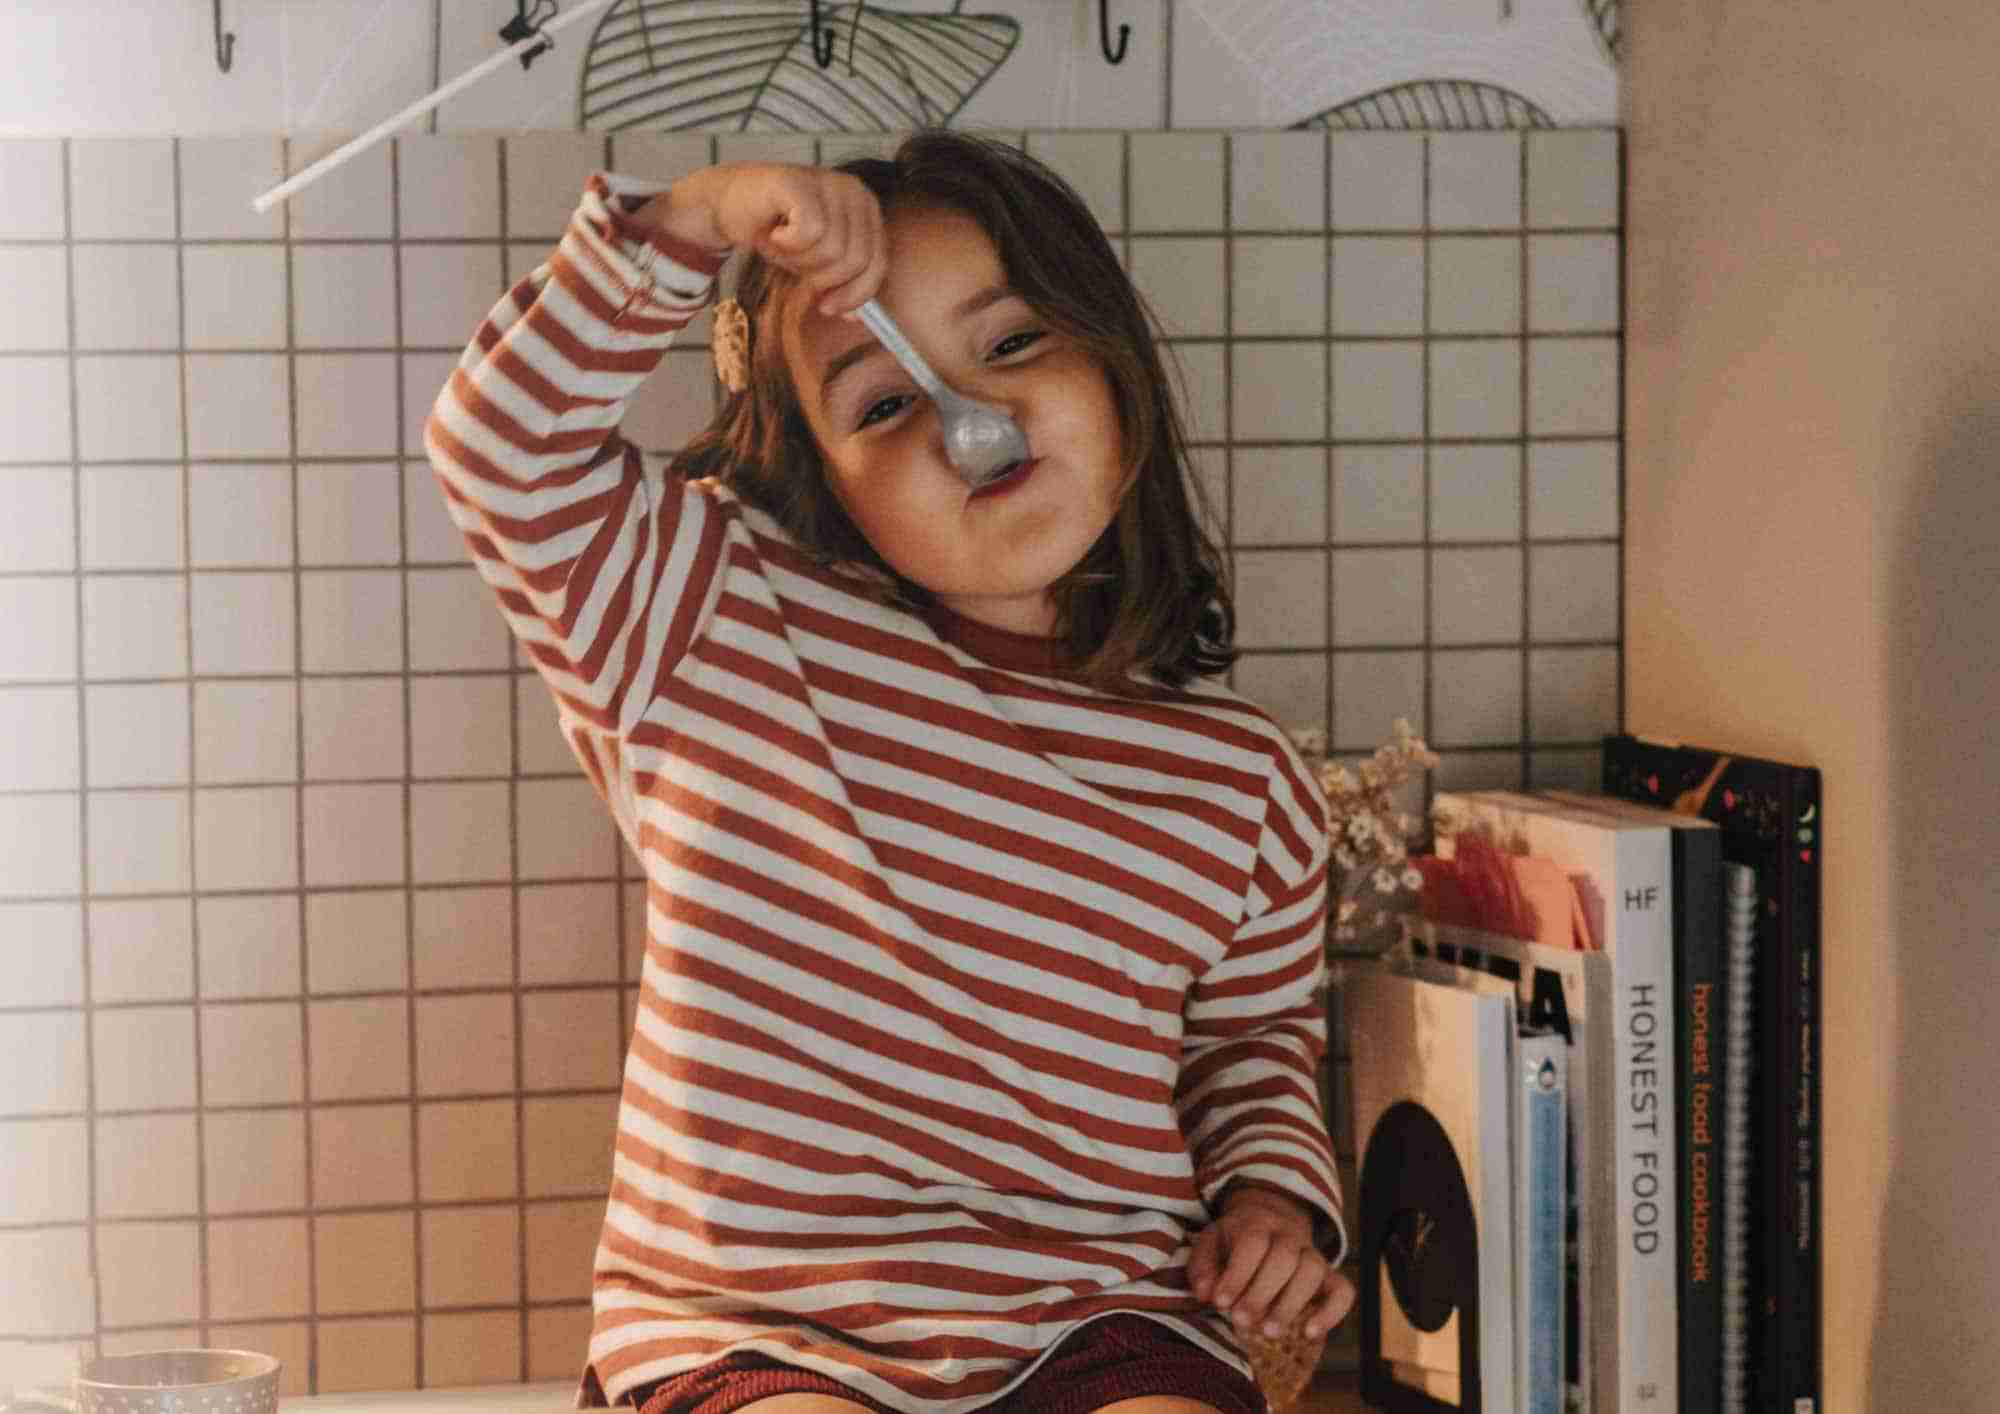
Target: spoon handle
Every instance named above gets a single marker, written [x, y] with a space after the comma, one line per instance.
[884, 328]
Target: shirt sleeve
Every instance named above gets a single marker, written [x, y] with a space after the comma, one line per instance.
[1255, 1030]
[603, 571]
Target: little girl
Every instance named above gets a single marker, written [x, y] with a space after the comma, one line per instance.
[974, 1063]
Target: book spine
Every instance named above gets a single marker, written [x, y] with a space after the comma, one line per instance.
[1798, 1283]
[1542, 1210]
[1702, 1062]
[1741, 916]
[1642, 1010]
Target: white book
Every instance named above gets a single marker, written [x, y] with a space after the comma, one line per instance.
[1623, 868]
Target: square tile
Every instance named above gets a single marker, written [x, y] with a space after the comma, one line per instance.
[360, 1049]
[249, 945]
[472, 1256]
[41, 502]
[141, 950]
[1476, 595]
[257, 1268]
[347, 404]
[128, 407]
[147, 1166]
[361, 1156]
[1476, 492]
[34, 289]
[569, 933]
[1573, 177]
[465, 1044]
[1278, 285]
[344, 296]
[1580, 769]
[235, 296]
[354, 835]
[1378, 597]
[1475, 284]
[764, 147]
[219, 176]
[367, 1354]
[246, 837]
[1176, 181]
[1573, 489]
[428, 533]
[471, 1347]
[352, 620]
[1204, 405]
[42, 955]
[135, 626]
[47, 857]
[1572, 694]
[564, 831]
[1277, 181]
[1280, 598]
[130, 517]
[1378, 391]
[662, 156]
[1475, 180]
[45, 1280]
[464, 937]
[1574, 592]
[148, 1273]
[290, 1343]
[1378, 285]
[1278, 391]
[354, 201]
[144, 1058]
[353, 728]
[1377, 181]
[358, 942]
[571, 1040]
[42, 1066]
[461, 726]
[447, 290]
[448, 186]
[466, 1151]
[542, 747]
[127, 296]
[31, 190]
[546, 173]
[454, 622]
[121, 189]
[1291, 687]
[460, 831]
[139, 842]
[38, 629]
[1092, 163]
[254, 1161]
[44, 1170]
[1475, 388]
[34, 407]
[1476, 696]
[41, 739]
[1573, 284]
[366, 1262]
[1370, 691]
[555, 1334]
[347, 513]
[240, 514]
[569, 1144]
[1573, 387]
[239, 405]
[1278, 495]
[1181, 278]
[252, 1053]
[137, 734]
[562, 1245]
[245, 731]
[243, 623]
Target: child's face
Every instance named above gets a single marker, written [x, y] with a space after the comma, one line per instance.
[989, 555]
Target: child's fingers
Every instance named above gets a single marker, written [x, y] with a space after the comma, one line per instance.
[1334, 1306]
[1205, 1262]
[1308, 1279]
[1258, 1305]
[1246, 1255]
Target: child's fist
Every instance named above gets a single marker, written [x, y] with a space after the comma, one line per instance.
[1256, 1264]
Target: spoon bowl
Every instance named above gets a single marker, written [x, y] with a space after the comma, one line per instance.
[980, 440]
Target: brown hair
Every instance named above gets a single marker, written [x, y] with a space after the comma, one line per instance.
[1150, 595]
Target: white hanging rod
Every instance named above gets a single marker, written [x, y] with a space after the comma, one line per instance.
[416, 110]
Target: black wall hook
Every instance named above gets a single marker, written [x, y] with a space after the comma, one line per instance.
[1104, 34]
[225, 42]
[823, 40]
[526, 23]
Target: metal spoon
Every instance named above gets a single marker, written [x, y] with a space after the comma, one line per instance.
[980, 439]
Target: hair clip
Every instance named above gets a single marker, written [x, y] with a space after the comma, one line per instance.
[731, 345]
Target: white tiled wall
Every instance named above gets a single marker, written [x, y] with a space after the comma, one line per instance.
[317, 949]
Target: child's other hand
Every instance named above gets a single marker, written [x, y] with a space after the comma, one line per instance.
[823, 226]
[1256, 1264]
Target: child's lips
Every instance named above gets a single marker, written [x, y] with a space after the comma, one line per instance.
[1007, 480]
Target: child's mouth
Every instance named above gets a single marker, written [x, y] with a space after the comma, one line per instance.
[1011, 475]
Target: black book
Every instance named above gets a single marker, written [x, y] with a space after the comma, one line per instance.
[1769, 813]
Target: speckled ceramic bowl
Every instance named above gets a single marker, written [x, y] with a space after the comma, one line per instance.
[179, 1382]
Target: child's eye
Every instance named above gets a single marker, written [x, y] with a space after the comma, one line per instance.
[884, 408]
[1015, 343]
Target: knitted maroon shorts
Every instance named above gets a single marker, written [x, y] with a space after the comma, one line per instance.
[1113, 1358]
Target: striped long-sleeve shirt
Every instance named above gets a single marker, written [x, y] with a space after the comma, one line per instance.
[968, 987]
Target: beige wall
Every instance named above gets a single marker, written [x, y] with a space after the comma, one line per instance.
[1813, 571]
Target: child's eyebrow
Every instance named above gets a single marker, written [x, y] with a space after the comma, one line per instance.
[964, 309]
